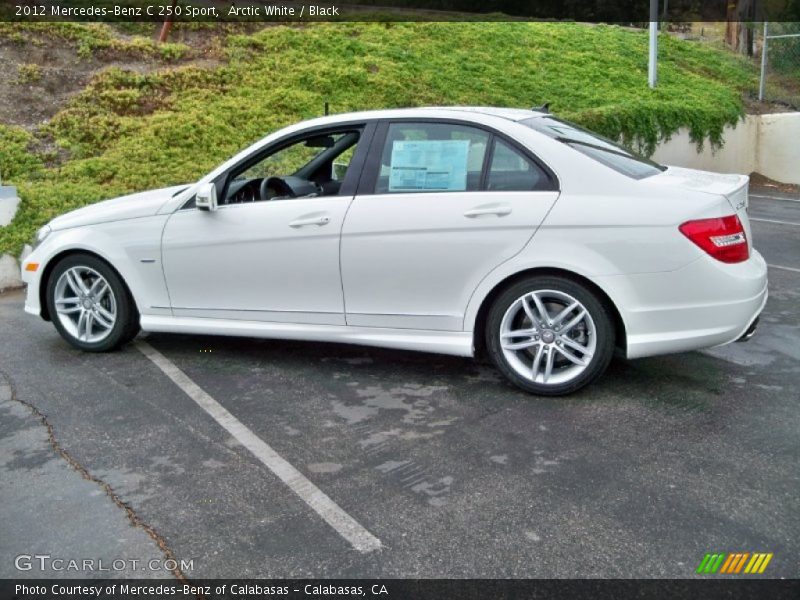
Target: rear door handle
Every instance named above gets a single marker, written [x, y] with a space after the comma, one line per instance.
[498, 210]
[318, 220]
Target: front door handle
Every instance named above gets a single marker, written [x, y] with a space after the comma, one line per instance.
[318, 220]
[498, 210]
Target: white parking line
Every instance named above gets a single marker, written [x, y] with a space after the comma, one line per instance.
[764, 197]
[775, 221]
[361, 539]
[792, 269]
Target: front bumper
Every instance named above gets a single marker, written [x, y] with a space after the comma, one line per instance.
[32, 280]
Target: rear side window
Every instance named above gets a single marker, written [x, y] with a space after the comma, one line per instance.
[451, 157]
[510, 171]
[595, 146]
[431, 157]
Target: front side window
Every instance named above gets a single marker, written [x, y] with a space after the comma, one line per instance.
[285, 161]
[314, 165]
[431, 157]
[595, 146]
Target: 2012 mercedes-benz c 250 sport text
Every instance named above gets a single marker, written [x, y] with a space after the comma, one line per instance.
[455, 230]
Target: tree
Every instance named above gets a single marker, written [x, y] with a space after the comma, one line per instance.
[739, 30]
[167, 25]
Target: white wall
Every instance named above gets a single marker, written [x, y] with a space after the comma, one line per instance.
[767, 144]
[8, 208]
[9, 267]
[779, 147]
[9, 273]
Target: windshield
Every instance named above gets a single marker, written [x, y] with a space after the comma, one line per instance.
[601, 149]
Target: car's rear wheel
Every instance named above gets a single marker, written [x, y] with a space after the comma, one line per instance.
[550, 335]
[89, 304]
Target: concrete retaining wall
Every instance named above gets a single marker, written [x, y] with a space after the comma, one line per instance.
[8, 204]
[9, 273]
[9, 267]
[767, 144]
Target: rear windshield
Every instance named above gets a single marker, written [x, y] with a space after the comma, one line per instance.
[595, 146]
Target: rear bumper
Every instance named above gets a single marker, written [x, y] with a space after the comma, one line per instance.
[705, 304]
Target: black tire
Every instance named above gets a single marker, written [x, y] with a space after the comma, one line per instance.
[598, 311]
[126, 325]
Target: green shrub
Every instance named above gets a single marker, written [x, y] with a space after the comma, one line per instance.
[16, 162]
[28, 73]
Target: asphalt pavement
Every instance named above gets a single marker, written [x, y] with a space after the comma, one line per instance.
[454, 471]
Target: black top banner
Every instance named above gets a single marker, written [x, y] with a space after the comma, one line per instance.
[605, 11]
[400, 589]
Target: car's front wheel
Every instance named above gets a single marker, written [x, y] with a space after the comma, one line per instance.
[550, 335]
[89, 304]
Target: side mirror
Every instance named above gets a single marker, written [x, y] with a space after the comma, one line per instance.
[206, 197]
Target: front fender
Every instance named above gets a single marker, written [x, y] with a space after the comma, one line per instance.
[132, 247]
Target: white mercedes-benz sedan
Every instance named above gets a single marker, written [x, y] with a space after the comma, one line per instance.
[501, 232]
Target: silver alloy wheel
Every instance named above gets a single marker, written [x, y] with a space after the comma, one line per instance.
[85, 304]
[548, 337]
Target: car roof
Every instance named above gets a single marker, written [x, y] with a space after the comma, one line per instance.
[511, 114]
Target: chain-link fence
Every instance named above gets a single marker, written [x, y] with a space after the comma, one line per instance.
[780, 64]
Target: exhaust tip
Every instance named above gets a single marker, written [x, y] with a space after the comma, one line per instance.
[750, 331]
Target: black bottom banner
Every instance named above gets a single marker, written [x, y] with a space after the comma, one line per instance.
[439, 589]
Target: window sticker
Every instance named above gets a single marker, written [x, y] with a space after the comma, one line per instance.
[428, 165]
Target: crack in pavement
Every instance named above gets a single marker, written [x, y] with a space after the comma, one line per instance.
[134, 519]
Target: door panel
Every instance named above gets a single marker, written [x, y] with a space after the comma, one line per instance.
[441, 203]
[412, 260]
[268, 261]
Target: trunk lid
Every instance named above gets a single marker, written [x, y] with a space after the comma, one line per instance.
[734, 188]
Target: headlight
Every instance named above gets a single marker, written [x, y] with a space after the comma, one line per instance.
[41, 235]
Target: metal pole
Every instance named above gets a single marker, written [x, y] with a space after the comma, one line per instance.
[652, 77]
[763, 81]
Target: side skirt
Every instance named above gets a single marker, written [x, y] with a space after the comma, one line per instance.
[456, 343]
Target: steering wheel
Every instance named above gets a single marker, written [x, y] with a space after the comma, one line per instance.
[289, 187]
[278, 185]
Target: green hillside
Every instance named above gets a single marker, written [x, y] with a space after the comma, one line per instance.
[128, 131]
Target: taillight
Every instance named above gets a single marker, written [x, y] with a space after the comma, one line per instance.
[723, 238]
